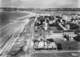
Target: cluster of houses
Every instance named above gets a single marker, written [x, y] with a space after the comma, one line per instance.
[67, 29]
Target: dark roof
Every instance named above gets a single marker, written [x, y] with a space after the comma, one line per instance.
[51, 40]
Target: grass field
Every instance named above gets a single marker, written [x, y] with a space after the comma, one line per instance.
[6, 17]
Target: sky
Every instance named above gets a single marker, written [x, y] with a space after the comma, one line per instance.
[40, 3]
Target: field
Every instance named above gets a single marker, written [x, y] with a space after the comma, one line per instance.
[66, 54]
[7, 17]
